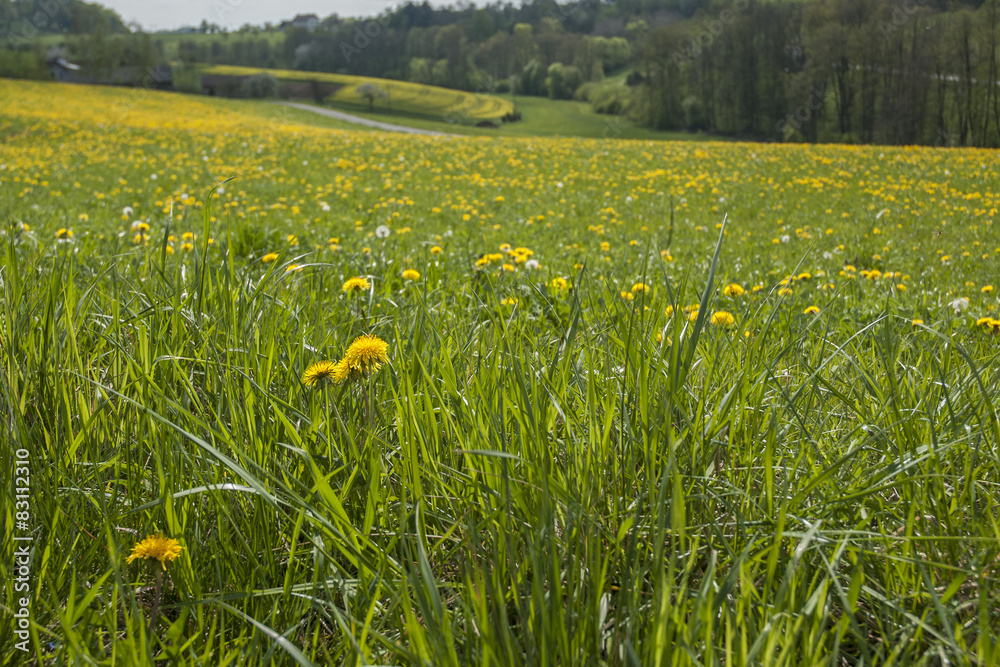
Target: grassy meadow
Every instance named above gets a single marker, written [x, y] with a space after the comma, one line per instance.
[641, 403]
[540, 117]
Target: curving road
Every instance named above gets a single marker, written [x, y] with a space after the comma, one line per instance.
[350, 118]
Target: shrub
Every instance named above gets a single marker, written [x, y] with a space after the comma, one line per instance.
[260, 86]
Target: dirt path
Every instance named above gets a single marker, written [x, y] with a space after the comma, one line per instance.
[350, 118]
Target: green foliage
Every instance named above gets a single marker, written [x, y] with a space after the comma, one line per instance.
[22, 65]
[261, 85]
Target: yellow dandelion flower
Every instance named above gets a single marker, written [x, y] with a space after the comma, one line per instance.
[916, 323]
[187, 247]
[559, 284]
[639, 288]
[436, 250]
[64, 234]
[157, 547]
[356, 284]
[733, 290]
[628, 296]
[269, 257]
[811, 310]
[365, 355]
[723, 319]
[987, 289]
[508, 267]
[320, 373]
[509, 301]
[669, 311]
[292, 267]
[411, 274]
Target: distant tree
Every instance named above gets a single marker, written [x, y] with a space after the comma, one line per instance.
[261, 85]
[370, 92]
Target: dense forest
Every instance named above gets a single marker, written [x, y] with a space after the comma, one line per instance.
[896, 72]
[23, 20]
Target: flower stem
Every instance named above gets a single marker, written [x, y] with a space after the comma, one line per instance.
[156, 599]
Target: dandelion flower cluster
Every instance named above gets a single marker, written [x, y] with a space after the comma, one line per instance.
[411, 274]
[158, 547]
[364, 357]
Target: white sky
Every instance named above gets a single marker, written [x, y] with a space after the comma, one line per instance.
[169, 14]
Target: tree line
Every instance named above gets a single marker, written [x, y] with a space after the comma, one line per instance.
[871, 71]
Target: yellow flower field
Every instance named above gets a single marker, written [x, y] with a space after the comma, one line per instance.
[403, 95]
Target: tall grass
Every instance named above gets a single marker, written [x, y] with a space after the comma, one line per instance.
[537, 484]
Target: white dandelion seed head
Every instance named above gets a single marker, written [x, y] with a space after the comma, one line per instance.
[958, 305]
[382, 231]
[531, 264]
[127, 211]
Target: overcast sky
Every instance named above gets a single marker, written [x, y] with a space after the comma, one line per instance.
[168, 14]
